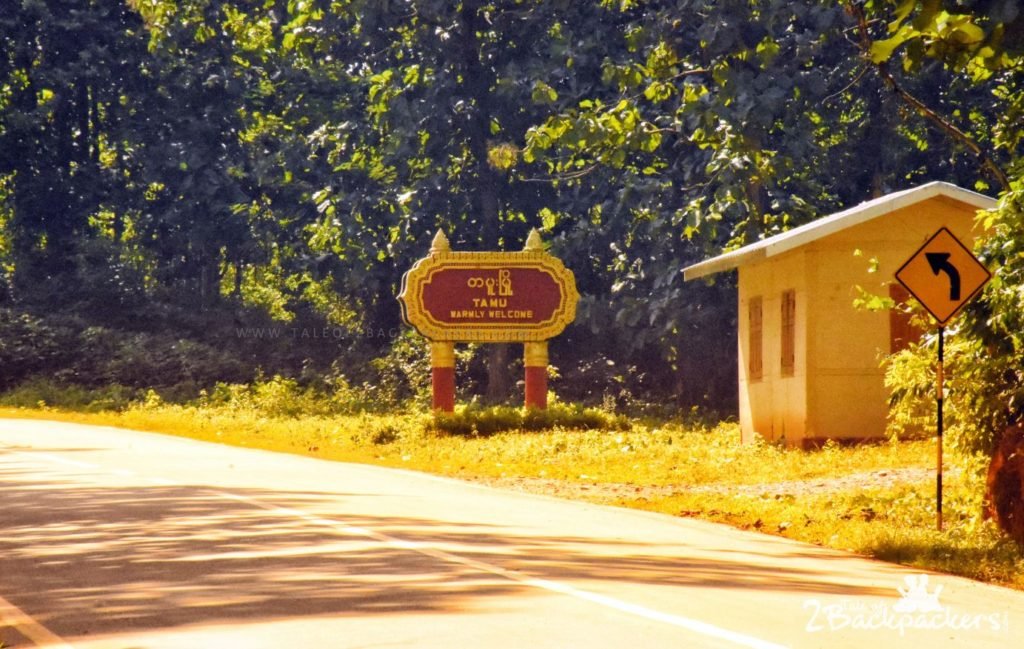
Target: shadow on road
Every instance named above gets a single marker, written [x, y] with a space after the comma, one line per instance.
[107, 559]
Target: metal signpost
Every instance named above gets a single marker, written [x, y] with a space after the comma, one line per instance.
[943, 275]
[496, 297]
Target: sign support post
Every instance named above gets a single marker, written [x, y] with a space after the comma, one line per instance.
[939, 379]
[535, 361]
[943, 275]
[442, 375]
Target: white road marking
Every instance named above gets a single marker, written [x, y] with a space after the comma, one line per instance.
[12, 616]
[56, 459]
[696, 626]
[161, 481]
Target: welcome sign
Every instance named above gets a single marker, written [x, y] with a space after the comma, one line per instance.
[526, 296]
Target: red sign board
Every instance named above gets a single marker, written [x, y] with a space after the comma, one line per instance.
[489, 297]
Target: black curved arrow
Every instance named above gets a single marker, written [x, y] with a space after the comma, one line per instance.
[939, 261]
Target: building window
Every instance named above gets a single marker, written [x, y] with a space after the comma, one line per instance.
[755, 366]
[901, 331]
[788, 333]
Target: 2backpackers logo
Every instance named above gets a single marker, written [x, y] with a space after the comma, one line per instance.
[917, 609]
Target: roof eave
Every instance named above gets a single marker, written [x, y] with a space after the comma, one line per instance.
[721, 263]
[860, 215]
[835, 223]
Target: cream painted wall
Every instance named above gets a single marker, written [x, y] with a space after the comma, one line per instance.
[774, 407]
[837, 390]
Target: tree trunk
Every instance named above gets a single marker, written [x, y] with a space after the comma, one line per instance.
[484, 188]
[499, 378]
[1006, 484]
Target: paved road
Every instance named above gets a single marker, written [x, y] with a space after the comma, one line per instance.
[117, 539]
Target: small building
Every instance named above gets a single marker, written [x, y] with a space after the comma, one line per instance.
[809, 360]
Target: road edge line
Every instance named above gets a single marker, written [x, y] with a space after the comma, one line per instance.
[694, 625]
[23, 623]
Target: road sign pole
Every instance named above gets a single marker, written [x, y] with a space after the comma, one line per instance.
[442, 376]
[939, 380]
[535, 362]
[943, 275]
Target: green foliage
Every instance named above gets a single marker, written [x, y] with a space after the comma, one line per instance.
[982, 40]
[284, 397]
[970, 425]
[476, 421]
[910, 379]
[402, 375]
[28, 347]
[992, 394]
[40, 393]
[984, 349]
[274, 397]
[226, 158]
[66, 349]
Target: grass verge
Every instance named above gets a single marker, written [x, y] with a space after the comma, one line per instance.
[681, 470]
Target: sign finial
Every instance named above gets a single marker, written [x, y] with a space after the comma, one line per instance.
[533, 243]
[440, 243]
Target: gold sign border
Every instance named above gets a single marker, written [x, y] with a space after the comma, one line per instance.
[414, 313]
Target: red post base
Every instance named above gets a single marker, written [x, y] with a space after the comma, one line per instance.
[537, 387]
[442, 375]
[443, 384]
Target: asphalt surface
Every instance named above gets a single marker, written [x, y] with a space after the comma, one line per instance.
[122, 540]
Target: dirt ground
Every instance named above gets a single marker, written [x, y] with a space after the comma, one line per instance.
[608, 493]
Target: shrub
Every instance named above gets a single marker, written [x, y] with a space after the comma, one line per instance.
[277, 396]
[990, 351]
[476, 421]
[44, 393]
[403, 374]
[28, 346]
[984, 350]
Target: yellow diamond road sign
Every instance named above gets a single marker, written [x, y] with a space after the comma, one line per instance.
[943, 275]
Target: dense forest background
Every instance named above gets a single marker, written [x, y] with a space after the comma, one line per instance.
[194, 191]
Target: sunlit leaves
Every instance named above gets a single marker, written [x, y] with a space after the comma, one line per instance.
[543, 93]
[604, 134]
[503, 156]
[926, 28]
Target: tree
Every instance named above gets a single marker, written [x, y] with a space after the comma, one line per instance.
[446, 93]
[65, 73]
[721, 123]
[980, 46]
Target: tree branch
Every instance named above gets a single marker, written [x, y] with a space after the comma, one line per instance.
[987, 163]
[555, 178]
[957, 135]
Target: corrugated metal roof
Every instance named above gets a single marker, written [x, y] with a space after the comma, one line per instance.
[833, 223]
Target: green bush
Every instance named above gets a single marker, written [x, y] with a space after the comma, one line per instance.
[403, 374]
[67, 350]
[984, 350]
[277, 396]
[476, 421]
[43, 393]
[910, 377]
[28, 347]
[381, 431]
[286, 397]
[988, 346]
